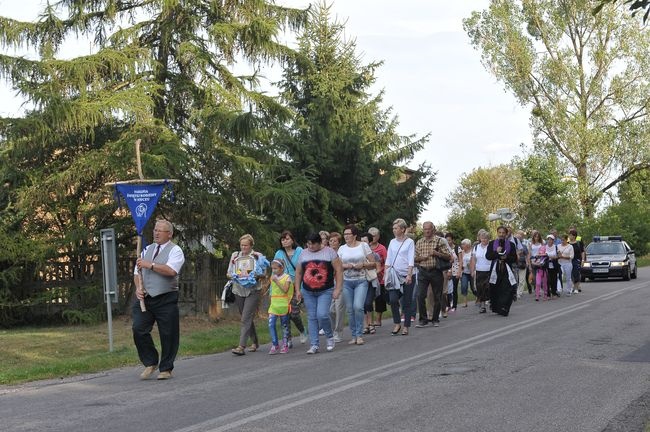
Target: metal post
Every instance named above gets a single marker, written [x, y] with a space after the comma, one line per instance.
[109, 271]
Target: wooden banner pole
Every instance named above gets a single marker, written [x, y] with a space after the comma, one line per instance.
[140, 280]
[139, 283]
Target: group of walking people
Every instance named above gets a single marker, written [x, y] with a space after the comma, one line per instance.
[355, 273]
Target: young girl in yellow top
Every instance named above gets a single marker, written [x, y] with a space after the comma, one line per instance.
[281, 294]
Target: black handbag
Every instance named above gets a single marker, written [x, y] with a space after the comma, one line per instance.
[442, 264]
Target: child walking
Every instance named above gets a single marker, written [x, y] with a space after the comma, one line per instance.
[540, 265]
[281, 293]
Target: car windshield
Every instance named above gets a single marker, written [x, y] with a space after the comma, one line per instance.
[605, 248]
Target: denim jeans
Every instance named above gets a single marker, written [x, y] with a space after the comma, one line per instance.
[465, 283]
[354, 292]
[284, 323]
[317, 304]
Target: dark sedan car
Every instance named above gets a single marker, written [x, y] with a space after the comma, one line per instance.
[608, 257]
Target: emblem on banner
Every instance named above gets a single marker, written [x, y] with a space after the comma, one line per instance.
[141, 210]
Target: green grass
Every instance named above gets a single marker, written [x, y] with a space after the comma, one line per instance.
[37, 353]
[643, 261]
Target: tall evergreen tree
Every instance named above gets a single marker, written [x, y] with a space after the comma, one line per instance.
[343, 140]
[163, 72]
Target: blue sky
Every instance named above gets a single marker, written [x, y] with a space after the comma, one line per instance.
[431, 76]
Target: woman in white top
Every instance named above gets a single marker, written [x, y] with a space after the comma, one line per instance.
[565, 254]
[538, 262]
[480, 267]
[553, 266]
[401, 258]
[356, 257]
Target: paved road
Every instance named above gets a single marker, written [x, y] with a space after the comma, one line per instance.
[572, 364]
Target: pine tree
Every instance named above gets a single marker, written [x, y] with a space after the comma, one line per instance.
[342, 139]
[163, 72]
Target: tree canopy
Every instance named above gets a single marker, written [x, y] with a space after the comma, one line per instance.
[162, 72]
[486, 189]
[634, 5]
[585, 78]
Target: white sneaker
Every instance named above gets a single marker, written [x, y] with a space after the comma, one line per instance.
[321, 332]
[574, 291]
[313, 349]
[303, 337]
[337, 338]
[330, 344]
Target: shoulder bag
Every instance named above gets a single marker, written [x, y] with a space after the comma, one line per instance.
[371, 274]
[441, 263]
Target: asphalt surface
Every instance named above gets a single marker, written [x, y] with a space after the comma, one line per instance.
[572, 364]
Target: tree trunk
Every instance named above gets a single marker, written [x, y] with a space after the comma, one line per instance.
[584, 196]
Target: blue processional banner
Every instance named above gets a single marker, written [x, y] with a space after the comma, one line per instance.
[141, 200]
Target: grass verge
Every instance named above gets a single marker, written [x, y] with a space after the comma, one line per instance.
[37, 353]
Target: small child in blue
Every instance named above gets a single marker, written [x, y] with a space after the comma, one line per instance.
[281, 293]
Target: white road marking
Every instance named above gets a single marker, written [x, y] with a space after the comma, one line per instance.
[260, 411]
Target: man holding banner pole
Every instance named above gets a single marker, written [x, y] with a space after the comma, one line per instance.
[159, 266]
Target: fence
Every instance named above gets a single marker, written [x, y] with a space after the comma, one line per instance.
[78, 285]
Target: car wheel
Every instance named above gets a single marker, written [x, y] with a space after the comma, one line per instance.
[633, 275]
[626, 276]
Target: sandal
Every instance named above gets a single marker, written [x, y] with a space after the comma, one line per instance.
[396, 329]
[405, 332]
[372, 330]
[366, 330]
[253, 347]
[238, 351]
[377, 324]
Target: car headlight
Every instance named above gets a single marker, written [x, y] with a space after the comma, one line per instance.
[617, 264]
[586, 264]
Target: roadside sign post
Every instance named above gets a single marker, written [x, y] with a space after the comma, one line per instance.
[109, 270]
